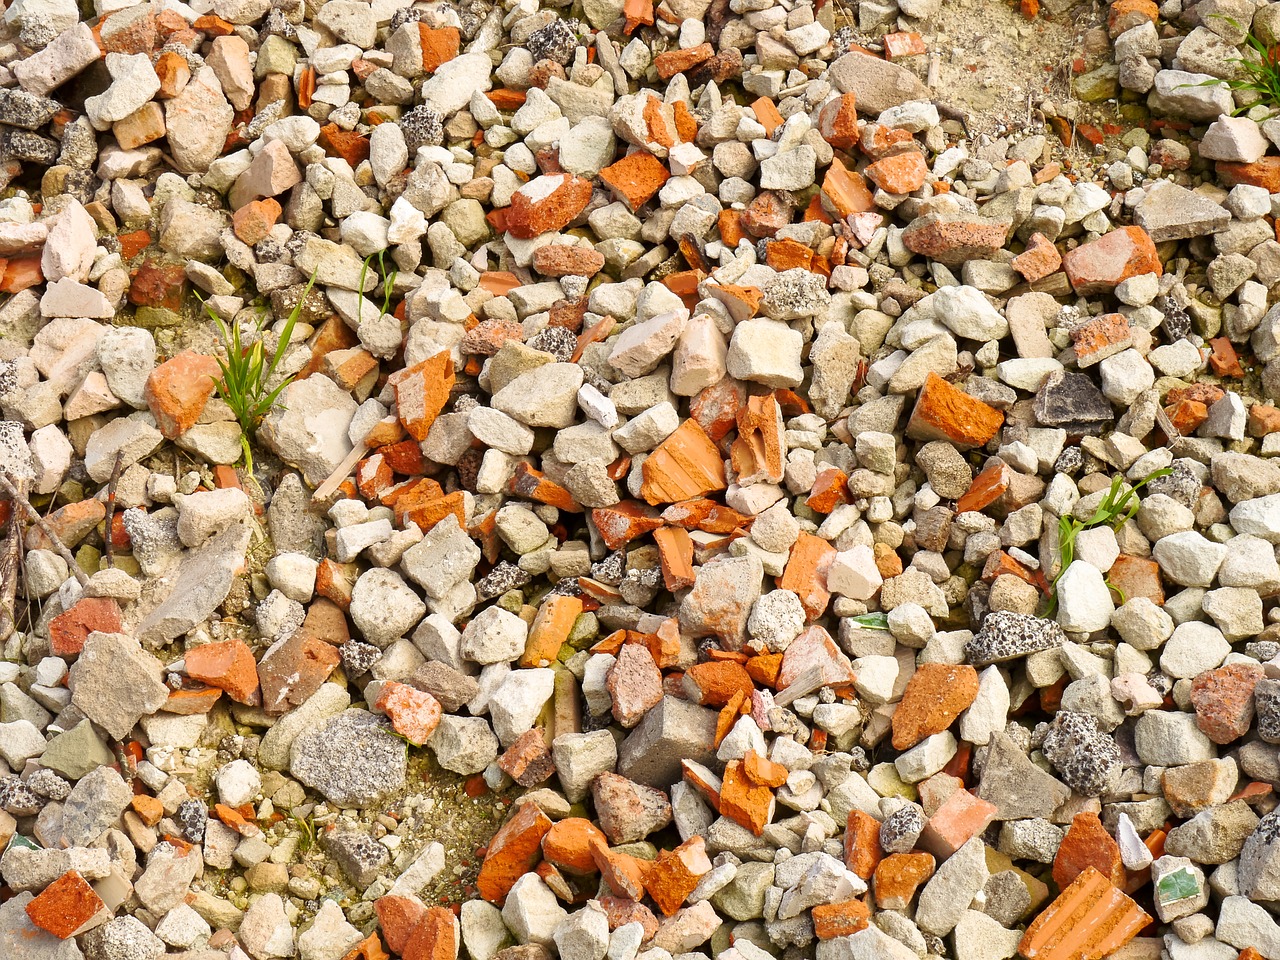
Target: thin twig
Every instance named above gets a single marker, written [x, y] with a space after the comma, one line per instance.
[111, 506]
[10, 563]
[34, 515]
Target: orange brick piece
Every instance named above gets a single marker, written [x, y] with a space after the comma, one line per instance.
[178, 389]
[838, 122]
[862, 853]
[514, 850]
[831, 920]
[227, 665]
[635, 178]
[568, 844]
[961, 817]
[899, 174]
[547, 203]
[67, 907]
[439, 45]
[1087, 844]
[945, 412]
[414, 714]
[685, 465]
[743, 801]
[1101, 265]
[422, 391]
[806, 573]
[1090, 919]
[899, 876]
[675, 551]
[550, 630]
[936, 694]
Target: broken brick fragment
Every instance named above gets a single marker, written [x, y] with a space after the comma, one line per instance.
[635, 178]
[1089, 920]
[68, 631]
[67, 907]
[178, 389]
[936, 695]
[514, 850]
[228, 665]
[422, 391]
[944, 412]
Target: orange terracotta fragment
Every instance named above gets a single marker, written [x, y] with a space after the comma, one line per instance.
[683, 466]
[414, 713]
[67, 907]
[767, 113]
[1102, 264]
[532, 485]
[514, 850]
[568, 844]
[806, 573]
[178, 389]
[676, 873]
[675, 551]
[1137, 577]
[898, 877]
[671, 62]
[961, 817]
[944, 412]
[843, 919]
[439, 45]
[844, 192]
[546, 204]
[635, 178]
[1089, 920]
[898, 174]
[838, 122]
[1038, 260]
[746, 803]
[619, 525]
[422, 391]
[550, 630]
[935, 696]
[714, 683]
[763, 771]
[227, 665]
[862, 852]
[397, 916]
[830, 489]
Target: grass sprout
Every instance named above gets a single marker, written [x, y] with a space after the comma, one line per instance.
[1119, 505]
[387, 278]
[1261, 73]
[247, 371]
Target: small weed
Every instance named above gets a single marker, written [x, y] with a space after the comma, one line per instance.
[248, 370]
[1262, 73]
[307, 829]
[1116, 507]
[388, 279]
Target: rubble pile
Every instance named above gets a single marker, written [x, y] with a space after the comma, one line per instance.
[814, 531]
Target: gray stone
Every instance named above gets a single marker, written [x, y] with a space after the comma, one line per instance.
[1019, 789]
[672, 731]
[465, 745]
[947, 895]
[878, 84]
[115, 682]
[1169, 211]
[94, 806]
[352, 759]
[201, 582]
[308, 428]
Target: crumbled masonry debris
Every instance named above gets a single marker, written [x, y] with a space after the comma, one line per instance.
[725, 490]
